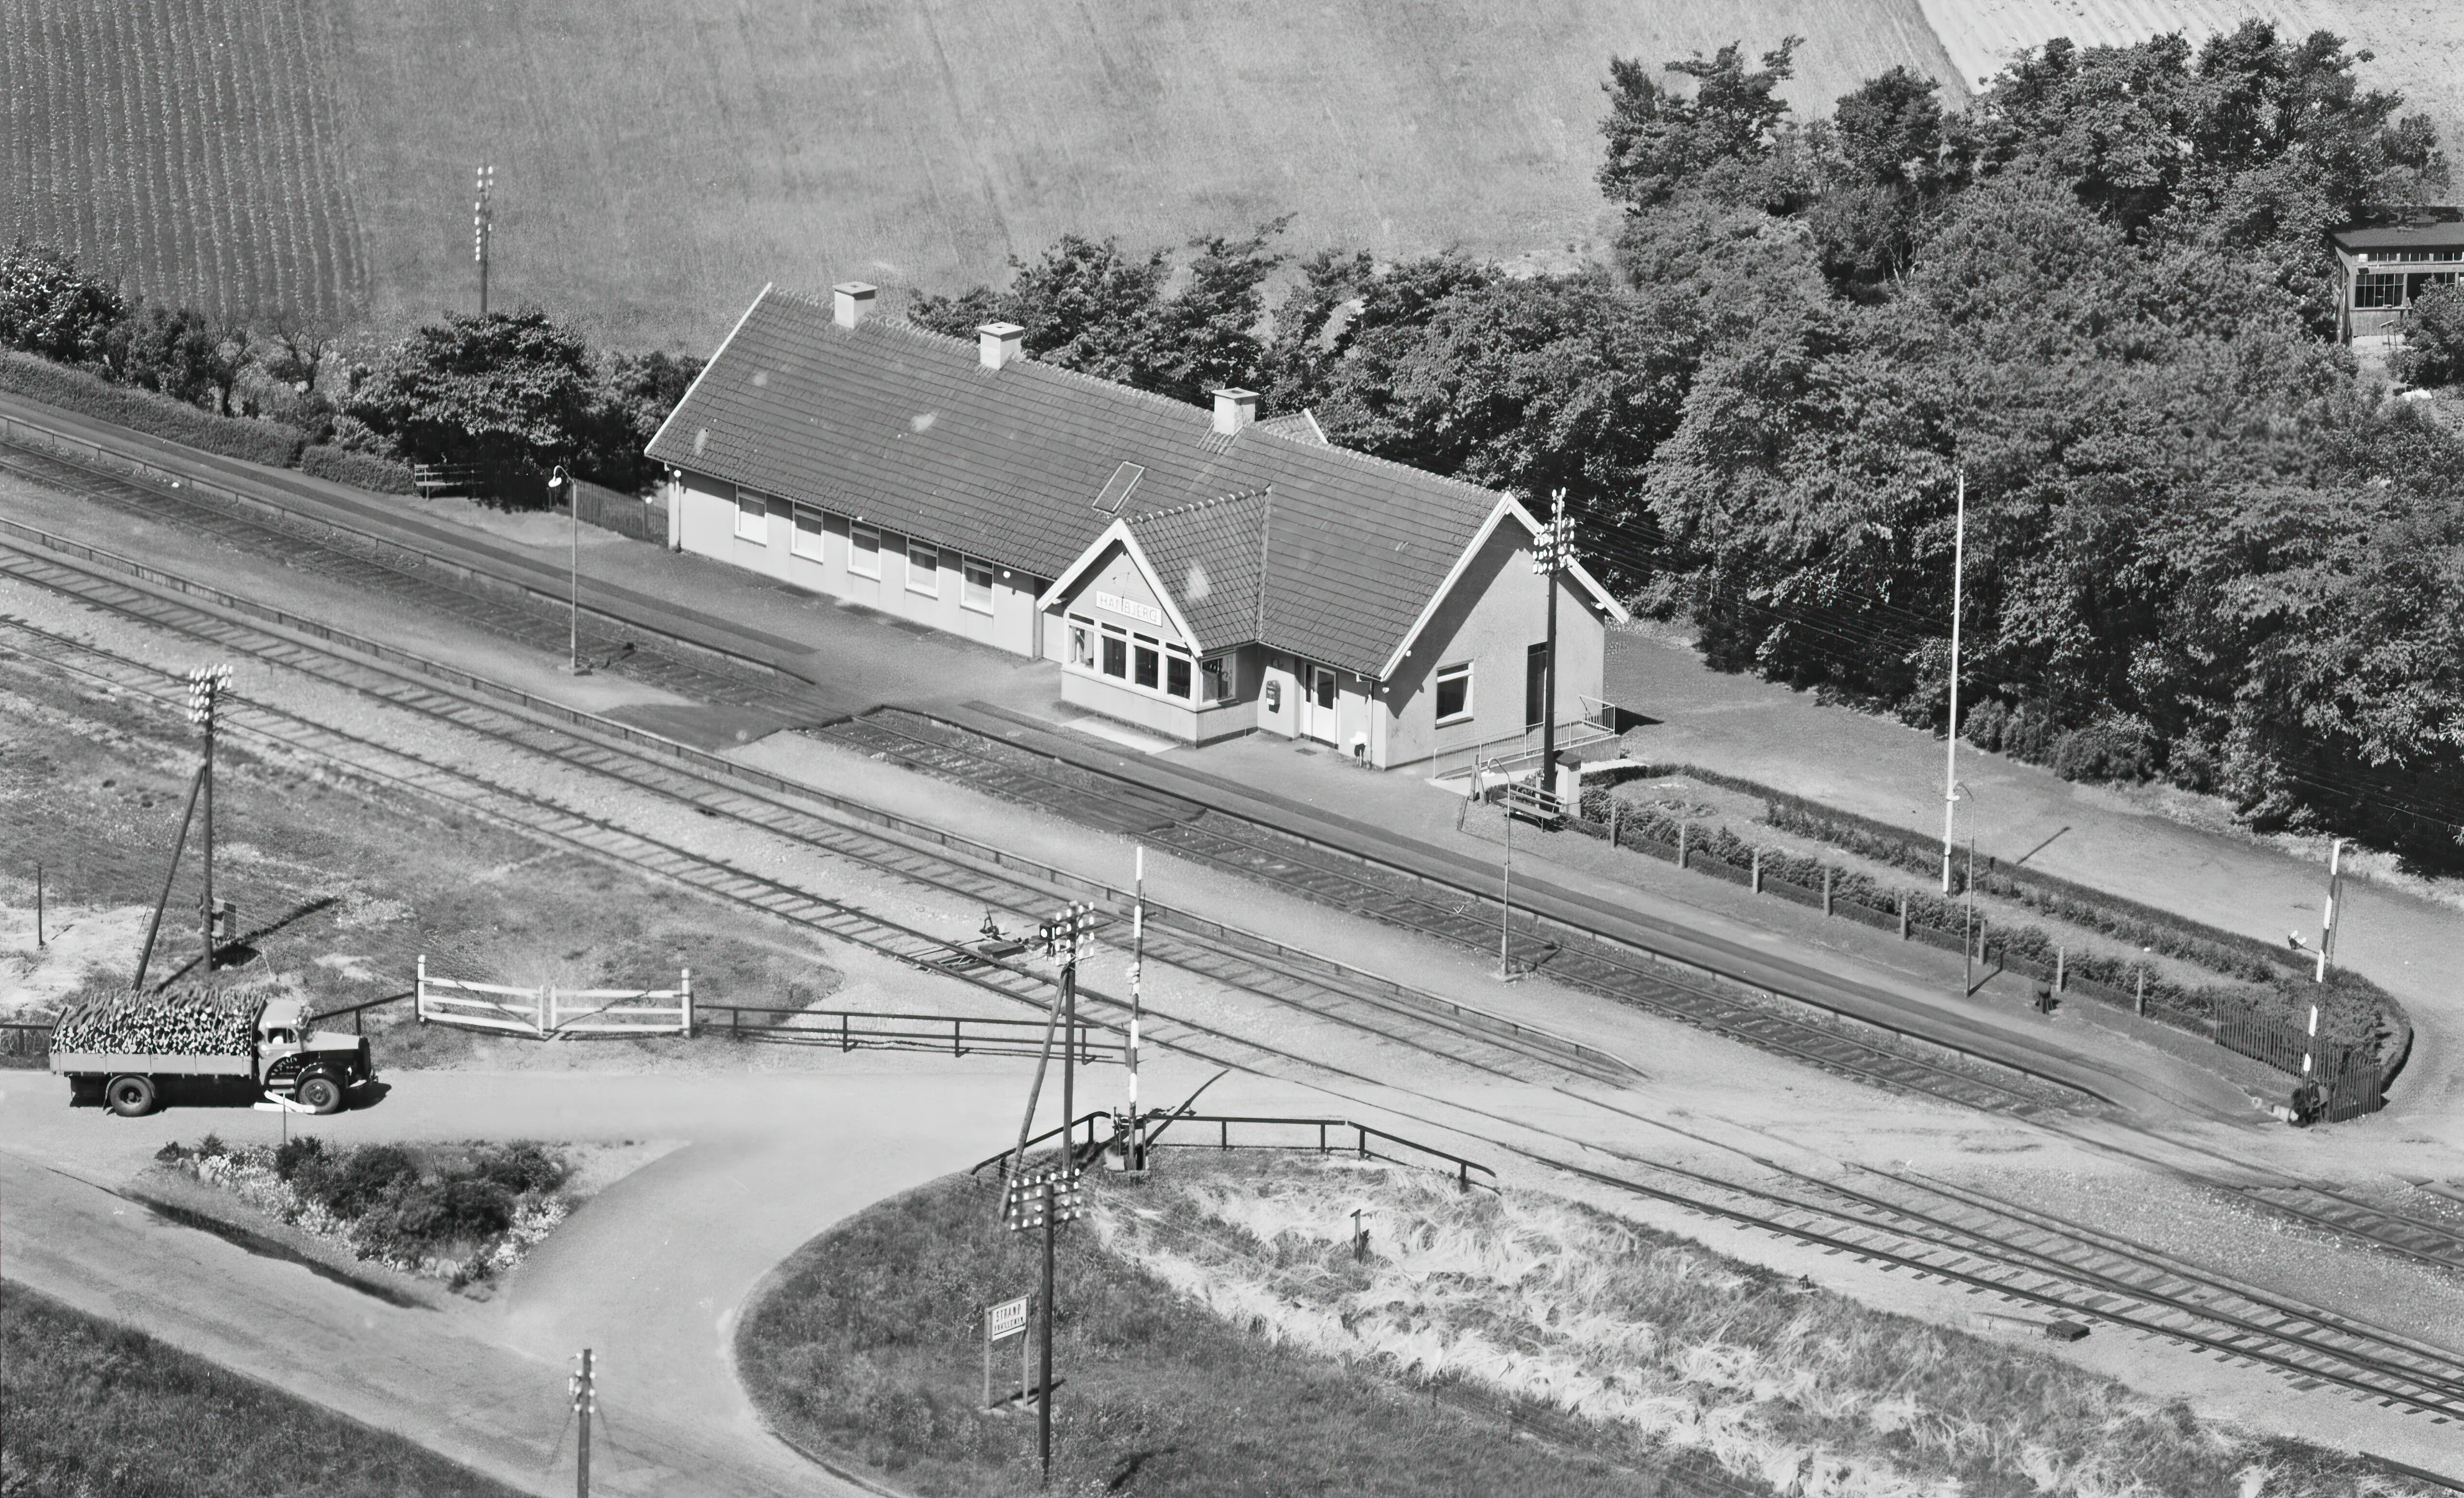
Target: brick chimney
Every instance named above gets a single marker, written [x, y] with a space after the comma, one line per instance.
[1233, 409]
[849, 301]
[1000, 344]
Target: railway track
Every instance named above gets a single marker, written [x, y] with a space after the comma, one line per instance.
[1929, 1228]
[1071, 790]
[1463, 918]
[1321, 988]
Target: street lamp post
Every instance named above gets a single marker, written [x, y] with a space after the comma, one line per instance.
[561, 480]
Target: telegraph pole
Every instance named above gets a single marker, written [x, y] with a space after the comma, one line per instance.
[482, 227]
[1548, 559]
[1950, 771]
[2328, 914]
[586, 1401]
[206, 685]
[561, 480]
[1136, 1156]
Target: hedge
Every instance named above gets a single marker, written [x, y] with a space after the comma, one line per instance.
[2353, 1010]
[359, 470]
[264, 442]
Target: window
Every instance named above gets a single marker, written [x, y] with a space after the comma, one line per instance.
[1149, 660]
[976, 585]
[807, 539]
[1454, 692]
[1215, 679]
[751, 517]
[923, 568]
[1082, 642]
[2422, 283]
[1116, 654]
[2378, 289]
[863, 551]
[1176, 674]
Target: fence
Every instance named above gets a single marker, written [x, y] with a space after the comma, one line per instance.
[1314, 1135]
[549, 1013]
[950, 1034]
[2353, 1077]
[26, 1043]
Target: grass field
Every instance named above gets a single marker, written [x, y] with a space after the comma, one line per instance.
[193, 145]
[657, 161]
[1219, 1337]
[93, 1408]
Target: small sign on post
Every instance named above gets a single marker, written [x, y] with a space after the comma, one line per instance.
[1029, 1198]
[1001, 1322]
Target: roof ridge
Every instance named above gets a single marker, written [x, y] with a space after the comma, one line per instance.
[1198, 504]
[1372, 459]
[912, 329]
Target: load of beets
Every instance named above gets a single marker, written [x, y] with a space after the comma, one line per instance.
[188, 1020]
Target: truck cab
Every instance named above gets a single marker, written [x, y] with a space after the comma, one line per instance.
[315, 1069]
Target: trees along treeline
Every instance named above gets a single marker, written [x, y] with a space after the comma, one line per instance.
[2102, 291]
[517, 393]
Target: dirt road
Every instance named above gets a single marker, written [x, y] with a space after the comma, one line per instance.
[650, 1273]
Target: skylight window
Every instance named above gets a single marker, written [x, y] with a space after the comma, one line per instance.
[1116, 493]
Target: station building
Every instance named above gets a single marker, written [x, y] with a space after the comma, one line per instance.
[1196, 572]
[2389, 267]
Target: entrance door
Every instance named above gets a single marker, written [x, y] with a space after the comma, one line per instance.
[1317, 707]
[1535, 687]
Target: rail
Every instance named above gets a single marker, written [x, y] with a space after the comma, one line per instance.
[1468, 1017]
[865, 1030]
[359, 1011]
[25, 1038]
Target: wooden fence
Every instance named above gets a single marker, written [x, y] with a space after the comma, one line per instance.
[549, 1013]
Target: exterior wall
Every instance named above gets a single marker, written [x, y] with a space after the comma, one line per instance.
[1115, 601]
[1495, 613]
[703, 520]
[2431, 265]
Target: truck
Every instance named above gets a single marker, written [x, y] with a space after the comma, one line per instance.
[268, 1048]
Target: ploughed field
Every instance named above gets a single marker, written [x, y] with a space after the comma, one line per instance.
[658, 162]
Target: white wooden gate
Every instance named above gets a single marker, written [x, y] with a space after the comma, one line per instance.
[550, 1012]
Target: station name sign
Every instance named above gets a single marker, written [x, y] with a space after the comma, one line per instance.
[1129, 608]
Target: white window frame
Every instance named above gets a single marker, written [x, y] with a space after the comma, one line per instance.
[1457, 671]
[968, 567]
[1226, 674]
[864, 550]
[1180, 653]
[931, 586]
[1082, 649]
[751, 517]
[797, 532]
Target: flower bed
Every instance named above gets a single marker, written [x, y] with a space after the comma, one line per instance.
[460, 1212]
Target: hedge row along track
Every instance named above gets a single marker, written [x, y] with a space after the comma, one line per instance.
[1960, 1237]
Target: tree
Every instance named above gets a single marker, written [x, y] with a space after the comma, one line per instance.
[2433, 338]
[177, 351]
[509, 390]
[636, 392]
[1660, 141]
[300, 344]
[48, 307]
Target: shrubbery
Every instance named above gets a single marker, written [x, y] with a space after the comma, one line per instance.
[2433, 340]
[462, 1213]
[359, 470]
[57, 384]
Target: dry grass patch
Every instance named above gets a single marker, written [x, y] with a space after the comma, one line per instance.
[1218, 1337]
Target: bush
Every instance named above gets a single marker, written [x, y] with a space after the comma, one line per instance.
[359, 470]
[519, 1168]
[264, 442]
[355, 1183]
[2110, 749]
[433, 1214]
[292, 1155]
[48, 308]
[2433, 340]
[1984, 724]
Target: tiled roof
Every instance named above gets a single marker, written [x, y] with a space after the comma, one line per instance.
[905, 429]
[1208, 557]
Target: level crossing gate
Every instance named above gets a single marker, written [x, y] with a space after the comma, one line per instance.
[549, 1012]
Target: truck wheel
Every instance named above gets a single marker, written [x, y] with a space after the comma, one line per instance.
[131, 1096]
[321, 1092]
